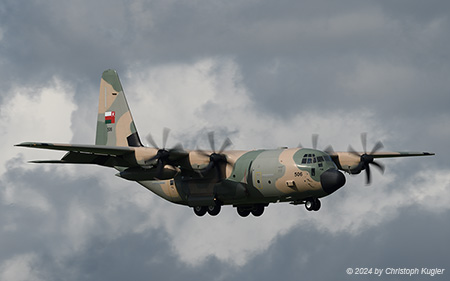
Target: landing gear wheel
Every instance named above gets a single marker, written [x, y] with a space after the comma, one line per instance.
[258, 210]
[200, 210]
[243, 212]
[214, 210]
[318, 204]
[312, 204]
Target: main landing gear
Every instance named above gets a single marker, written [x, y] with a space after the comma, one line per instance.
[312, 204]
[212, 210]
[256, 210]
[244, 211]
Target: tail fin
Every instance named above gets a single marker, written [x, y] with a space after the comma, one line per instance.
[115, 125]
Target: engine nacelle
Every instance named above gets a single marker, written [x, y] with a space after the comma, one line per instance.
[143, 174]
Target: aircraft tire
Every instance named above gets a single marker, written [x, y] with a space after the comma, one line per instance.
[317, 205]
[312, 204]
[243, 212]
[258, 210]
[309, 203]
[214, 210]
[200, 210]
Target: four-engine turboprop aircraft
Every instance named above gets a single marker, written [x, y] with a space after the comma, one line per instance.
[207, 180]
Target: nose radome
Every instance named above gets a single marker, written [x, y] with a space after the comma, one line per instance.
[332, 180]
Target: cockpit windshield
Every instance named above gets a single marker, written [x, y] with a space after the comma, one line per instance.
[311, 158]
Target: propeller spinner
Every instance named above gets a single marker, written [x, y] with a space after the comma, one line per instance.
[366, 159]
[163, 155]
[216, 158]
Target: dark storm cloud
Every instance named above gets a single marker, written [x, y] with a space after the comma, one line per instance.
[299, 50]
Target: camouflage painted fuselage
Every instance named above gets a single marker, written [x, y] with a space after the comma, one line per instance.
[257, 177]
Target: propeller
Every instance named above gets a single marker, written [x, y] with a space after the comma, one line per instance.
[315, 140]
[163, 155]
[216, 158]
[367, 159]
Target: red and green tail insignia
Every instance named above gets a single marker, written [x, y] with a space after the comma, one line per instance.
[110, 117]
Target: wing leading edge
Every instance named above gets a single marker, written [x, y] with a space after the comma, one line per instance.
[348, 161]
[88, 154]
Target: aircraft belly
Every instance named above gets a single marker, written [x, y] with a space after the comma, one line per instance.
[164, 188]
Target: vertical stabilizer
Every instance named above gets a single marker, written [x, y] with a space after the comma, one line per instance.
[115, 125]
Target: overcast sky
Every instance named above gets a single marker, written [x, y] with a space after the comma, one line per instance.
[264, 73]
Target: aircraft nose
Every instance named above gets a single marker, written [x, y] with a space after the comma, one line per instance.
[332, 180]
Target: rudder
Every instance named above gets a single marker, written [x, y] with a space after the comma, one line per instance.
[115, 125]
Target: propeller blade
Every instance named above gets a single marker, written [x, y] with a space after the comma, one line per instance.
[329, 150]
[216, 159]
[352, 151]
[315, 140]
[380, 166]
[166, 132]
[159, 168]
[177, 147]
[368, 176]
[153, 158]
[364, 141]
[377, 147]
[202, 152]
[225, 145]
[151, 141]
[211, 141]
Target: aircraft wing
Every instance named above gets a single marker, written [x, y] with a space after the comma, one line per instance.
[383, 154]
[88, 154]
[348, 160]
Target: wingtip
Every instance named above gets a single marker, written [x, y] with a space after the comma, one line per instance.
[33, 144]
[25, 144]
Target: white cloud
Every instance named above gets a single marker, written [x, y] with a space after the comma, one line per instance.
[186, 97]
[35, 114]
[21, 268]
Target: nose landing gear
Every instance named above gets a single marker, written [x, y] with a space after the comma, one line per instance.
[312, 204]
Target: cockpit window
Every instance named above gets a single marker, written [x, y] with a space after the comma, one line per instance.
[311, 158]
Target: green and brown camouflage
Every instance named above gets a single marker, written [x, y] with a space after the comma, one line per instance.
[206, 180]
[115, 125]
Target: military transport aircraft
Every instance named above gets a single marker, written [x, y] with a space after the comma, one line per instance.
[207, 180]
